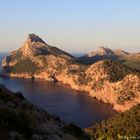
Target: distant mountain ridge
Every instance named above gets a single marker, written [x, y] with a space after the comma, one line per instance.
[132, 60]
[101, 51]
[101, 54]
[107, 80]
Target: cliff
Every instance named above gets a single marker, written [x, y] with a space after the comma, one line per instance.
[108, 81]
[20, 119]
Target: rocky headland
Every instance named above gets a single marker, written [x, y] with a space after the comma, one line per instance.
[106, 80]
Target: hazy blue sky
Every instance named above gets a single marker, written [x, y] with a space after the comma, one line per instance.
[72, 25]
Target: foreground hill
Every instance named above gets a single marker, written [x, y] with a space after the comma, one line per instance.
[123, 126]
[108, 81]
[21, 120]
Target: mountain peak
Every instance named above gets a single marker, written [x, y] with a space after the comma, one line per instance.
[34, 38]
[104, 50]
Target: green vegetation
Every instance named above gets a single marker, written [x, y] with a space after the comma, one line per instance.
[23, 66]
[125, 96]
[83, 79]
[97, 85]
[122, 126]
[115, 70]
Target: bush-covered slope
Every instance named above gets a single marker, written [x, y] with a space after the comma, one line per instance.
[24, 66]
[123, 126]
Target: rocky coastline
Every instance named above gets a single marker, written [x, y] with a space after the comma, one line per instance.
[106, 80]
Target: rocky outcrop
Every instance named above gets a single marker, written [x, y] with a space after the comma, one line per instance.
[108, 81]
[20, 119]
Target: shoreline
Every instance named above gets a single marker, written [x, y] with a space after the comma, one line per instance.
[98, 96]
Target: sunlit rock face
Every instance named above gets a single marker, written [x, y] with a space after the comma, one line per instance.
[106, 80]
[35, 55]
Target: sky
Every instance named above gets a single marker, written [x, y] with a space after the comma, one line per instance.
[72, 25]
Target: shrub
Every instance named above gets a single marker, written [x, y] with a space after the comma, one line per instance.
[24, 66]
[126, 124]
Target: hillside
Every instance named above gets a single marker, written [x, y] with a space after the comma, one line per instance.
[122, 126]
[21, 120]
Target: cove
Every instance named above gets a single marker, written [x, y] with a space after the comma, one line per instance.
[59, 99]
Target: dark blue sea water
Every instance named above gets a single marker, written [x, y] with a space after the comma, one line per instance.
[60, 99]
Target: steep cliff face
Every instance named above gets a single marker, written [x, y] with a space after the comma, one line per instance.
[20, 119]
[108, 81]
[115, 83]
